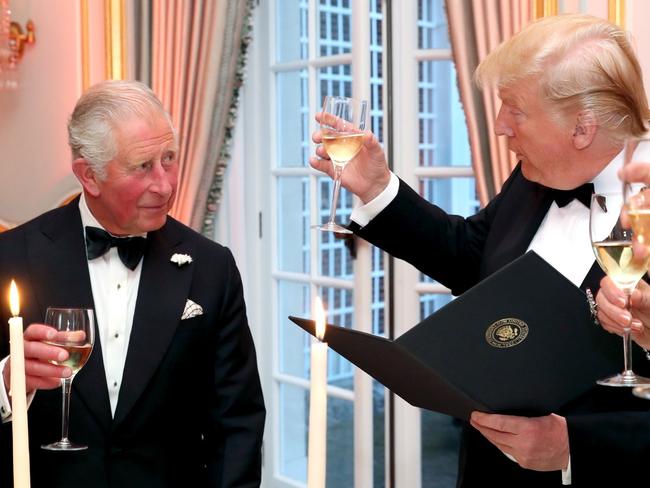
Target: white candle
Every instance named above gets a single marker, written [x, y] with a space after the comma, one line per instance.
[18, 393]
[317, 449]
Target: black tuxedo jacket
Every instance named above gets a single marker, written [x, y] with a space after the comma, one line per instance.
[609, 428]
[190, 410]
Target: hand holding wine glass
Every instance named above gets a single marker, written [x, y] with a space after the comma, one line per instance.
[343, 122]
[75, 332]
[624, 259]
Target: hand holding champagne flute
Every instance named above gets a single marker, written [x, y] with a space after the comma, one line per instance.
[343, 122]
[637, 211]
[624, 259]
[75, 332]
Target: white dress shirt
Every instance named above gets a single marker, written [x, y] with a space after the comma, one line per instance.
[115, 290]
[562, 238]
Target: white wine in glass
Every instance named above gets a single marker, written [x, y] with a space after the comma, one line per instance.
[75, 332]
[638, 209]
[624, 260]
[343, 121]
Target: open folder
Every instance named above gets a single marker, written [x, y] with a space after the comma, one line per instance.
[522, 342]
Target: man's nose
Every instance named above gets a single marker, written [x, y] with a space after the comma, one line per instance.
[501, 125]
[161, 183]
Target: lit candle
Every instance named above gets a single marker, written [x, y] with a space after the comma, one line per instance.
[317, 449]
[17, 393]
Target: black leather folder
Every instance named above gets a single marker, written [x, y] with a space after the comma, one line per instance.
[520, 342]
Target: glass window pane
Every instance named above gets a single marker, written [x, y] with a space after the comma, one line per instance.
[376, 71]
[293, 130]
[292, 32]
[429, 303]
[455, 196]
[379, 434]
[443, 139]
[335, 34]
[440, 433]
[293, 229]
[293, 342]
[440, 445]
[294, 419]
[294, 436]
[334, 258]
[432, 25]
[378, 292]
[340, 443]
[334, 81]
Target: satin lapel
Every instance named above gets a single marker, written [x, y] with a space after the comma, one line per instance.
[163, 290]
[523, 214]
[57, 258]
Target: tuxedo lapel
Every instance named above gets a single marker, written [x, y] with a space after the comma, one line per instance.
[523, 212]
[57, 260]
[163, 290]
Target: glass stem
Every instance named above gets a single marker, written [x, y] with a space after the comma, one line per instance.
[338, 169]
[65, 411]
[628, 374]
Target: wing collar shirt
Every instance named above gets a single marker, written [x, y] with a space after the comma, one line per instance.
[115, 290]
[562, 238]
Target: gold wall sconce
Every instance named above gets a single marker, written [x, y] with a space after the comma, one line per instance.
[18, 38]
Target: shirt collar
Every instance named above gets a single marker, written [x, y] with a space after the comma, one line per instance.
[607, 180]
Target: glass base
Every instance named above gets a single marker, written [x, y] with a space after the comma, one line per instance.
[625, 379]
[63, 446]
[642, 392]
[332, 227]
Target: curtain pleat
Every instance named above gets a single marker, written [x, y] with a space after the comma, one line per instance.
[196, 49]
[476, 27]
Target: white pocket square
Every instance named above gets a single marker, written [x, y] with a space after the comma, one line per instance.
[192, 309]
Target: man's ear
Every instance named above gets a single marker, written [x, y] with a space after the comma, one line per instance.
[585, 129]
[86, 176]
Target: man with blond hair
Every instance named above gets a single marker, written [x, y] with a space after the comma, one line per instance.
[571, 90]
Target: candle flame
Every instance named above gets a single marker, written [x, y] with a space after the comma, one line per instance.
[14, 299]
[319, 312]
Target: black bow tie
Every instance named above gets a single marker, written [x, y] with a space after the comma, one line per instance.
[582, 193]
[130, 249]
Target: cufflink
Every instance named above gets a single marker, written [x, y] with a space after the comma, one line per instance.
[593, 307]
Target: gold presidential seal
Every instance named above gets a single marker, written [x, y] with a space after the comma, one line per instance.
[506, 332]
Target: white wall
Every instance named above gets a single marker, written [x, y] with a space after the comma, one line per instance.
[34, 158]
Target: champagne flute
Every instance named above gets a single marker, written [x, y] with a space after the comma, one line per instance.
[624, 260]
[75, 332]
[638, 209]
[343, 121]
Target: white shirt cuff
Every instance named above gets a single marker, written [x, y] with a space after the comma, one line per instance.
[566, 473]
[365, 213]
[5, 404]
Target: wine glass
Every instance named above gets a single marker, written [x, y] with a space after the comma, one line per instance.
[75, 330]
[624, 260]
[638, 208]
[343, 121]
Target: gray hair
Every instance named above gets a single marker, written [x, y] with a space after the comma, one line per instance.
[98, 113]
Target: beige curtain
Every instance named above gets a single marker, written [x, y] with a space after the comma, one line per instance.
[475, 28]
[196, 51]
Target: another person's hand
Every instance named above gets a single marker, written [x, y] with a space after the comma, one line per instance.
[614, 317]
[366, 175]
[538, 443]
[40, 373]
[638, 172]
